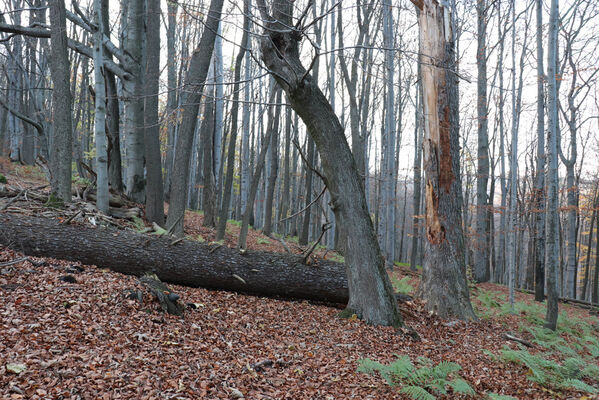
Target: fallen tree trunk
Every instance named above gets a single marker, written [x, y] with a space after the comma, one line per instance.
[185, 262]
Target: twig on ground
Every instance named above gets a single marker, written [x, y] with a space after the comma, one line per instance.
[513, 338]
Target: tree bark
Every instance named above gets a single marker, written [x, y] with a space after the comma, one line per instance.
[481, 250]
[154, 187]
[62, 153]
[228, 184]
[207, 140]
[539, 194]
[113, 114]
[370, 292]
[194, 80]
[100, 113]
[443, 285]
[552, 218]
[186, 263]
[274, 166]
[133, 44]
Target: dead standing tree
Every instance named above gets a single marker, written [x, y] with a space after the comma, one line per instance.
[443, 285]
[370, 292]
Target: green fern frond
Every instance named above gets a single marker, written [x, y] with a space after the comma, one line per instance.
[591, 371]
[494, 396]
[578, 385]
[459, 385]
[438, 385]
[445, 368]
[417, 393]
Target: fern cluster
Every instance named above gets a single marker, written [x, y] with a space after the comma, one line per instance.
[568, 374]
[402, 285]
[419, 383]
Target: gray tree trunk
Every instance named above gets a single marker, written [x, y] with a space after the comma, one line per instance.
[418, 124]
[171, 102]
[134, 46]
[552, 218]
[443, 285]
[61, 149]
[154, 187]
[539, 195]
[273, 168]
[194, 81]
[387, 228]
[207, 143]
[245, 142]
[481, 250]
[100, 113]
[115, 173]
[219, 117]
[228, 185]
[304, 235]
[259, 166]
[370, 292]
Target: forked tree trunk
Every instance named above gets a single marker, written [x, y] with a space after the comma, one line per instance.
[443, 285]
[370, 292]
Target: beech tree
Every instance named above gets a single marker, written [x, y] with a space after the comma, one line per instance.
[443, 285]
[61, 151]
[552, 219]
[370, 293]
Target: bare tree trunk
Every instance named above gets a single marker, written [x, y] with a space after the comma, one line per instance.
[481, 250]
[219, 118]
[207, 140]
[304, 235]
[539, 196]
[194, 80]
[115, 173]
[418, 124]
[443, 285]
[100, 113]
[552, 219]
[590, 242]
[171, 102]
[274, 167]
[284, 209]
[245, 142]
[134, 44]
[154, 187]
[61, 154]
[259, 166]
[228, 185]
[370, 292]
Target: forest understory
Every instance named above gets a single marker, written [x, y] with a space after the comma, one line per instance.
[82, 337]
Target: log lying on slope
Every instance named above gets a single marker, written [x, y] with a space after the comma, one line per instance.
[185, 263]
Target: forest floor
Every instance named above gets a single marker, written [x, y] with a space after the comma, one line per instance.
[85, 339]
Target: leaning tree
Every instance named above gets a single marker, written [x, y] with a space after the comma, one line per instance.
[370, 292]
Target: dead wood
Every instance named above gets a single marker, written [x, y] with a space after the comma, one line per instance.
[513, 338]
[188, 263]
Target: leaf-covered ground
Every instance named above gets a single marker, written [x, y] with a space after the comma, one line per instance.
[63, 340]
[86, 340]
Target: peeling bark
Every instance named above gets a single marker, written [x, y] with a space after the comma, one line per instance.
[443, 285]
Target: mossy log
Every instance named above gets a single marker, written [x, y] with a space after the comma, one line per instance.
[185, 262]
